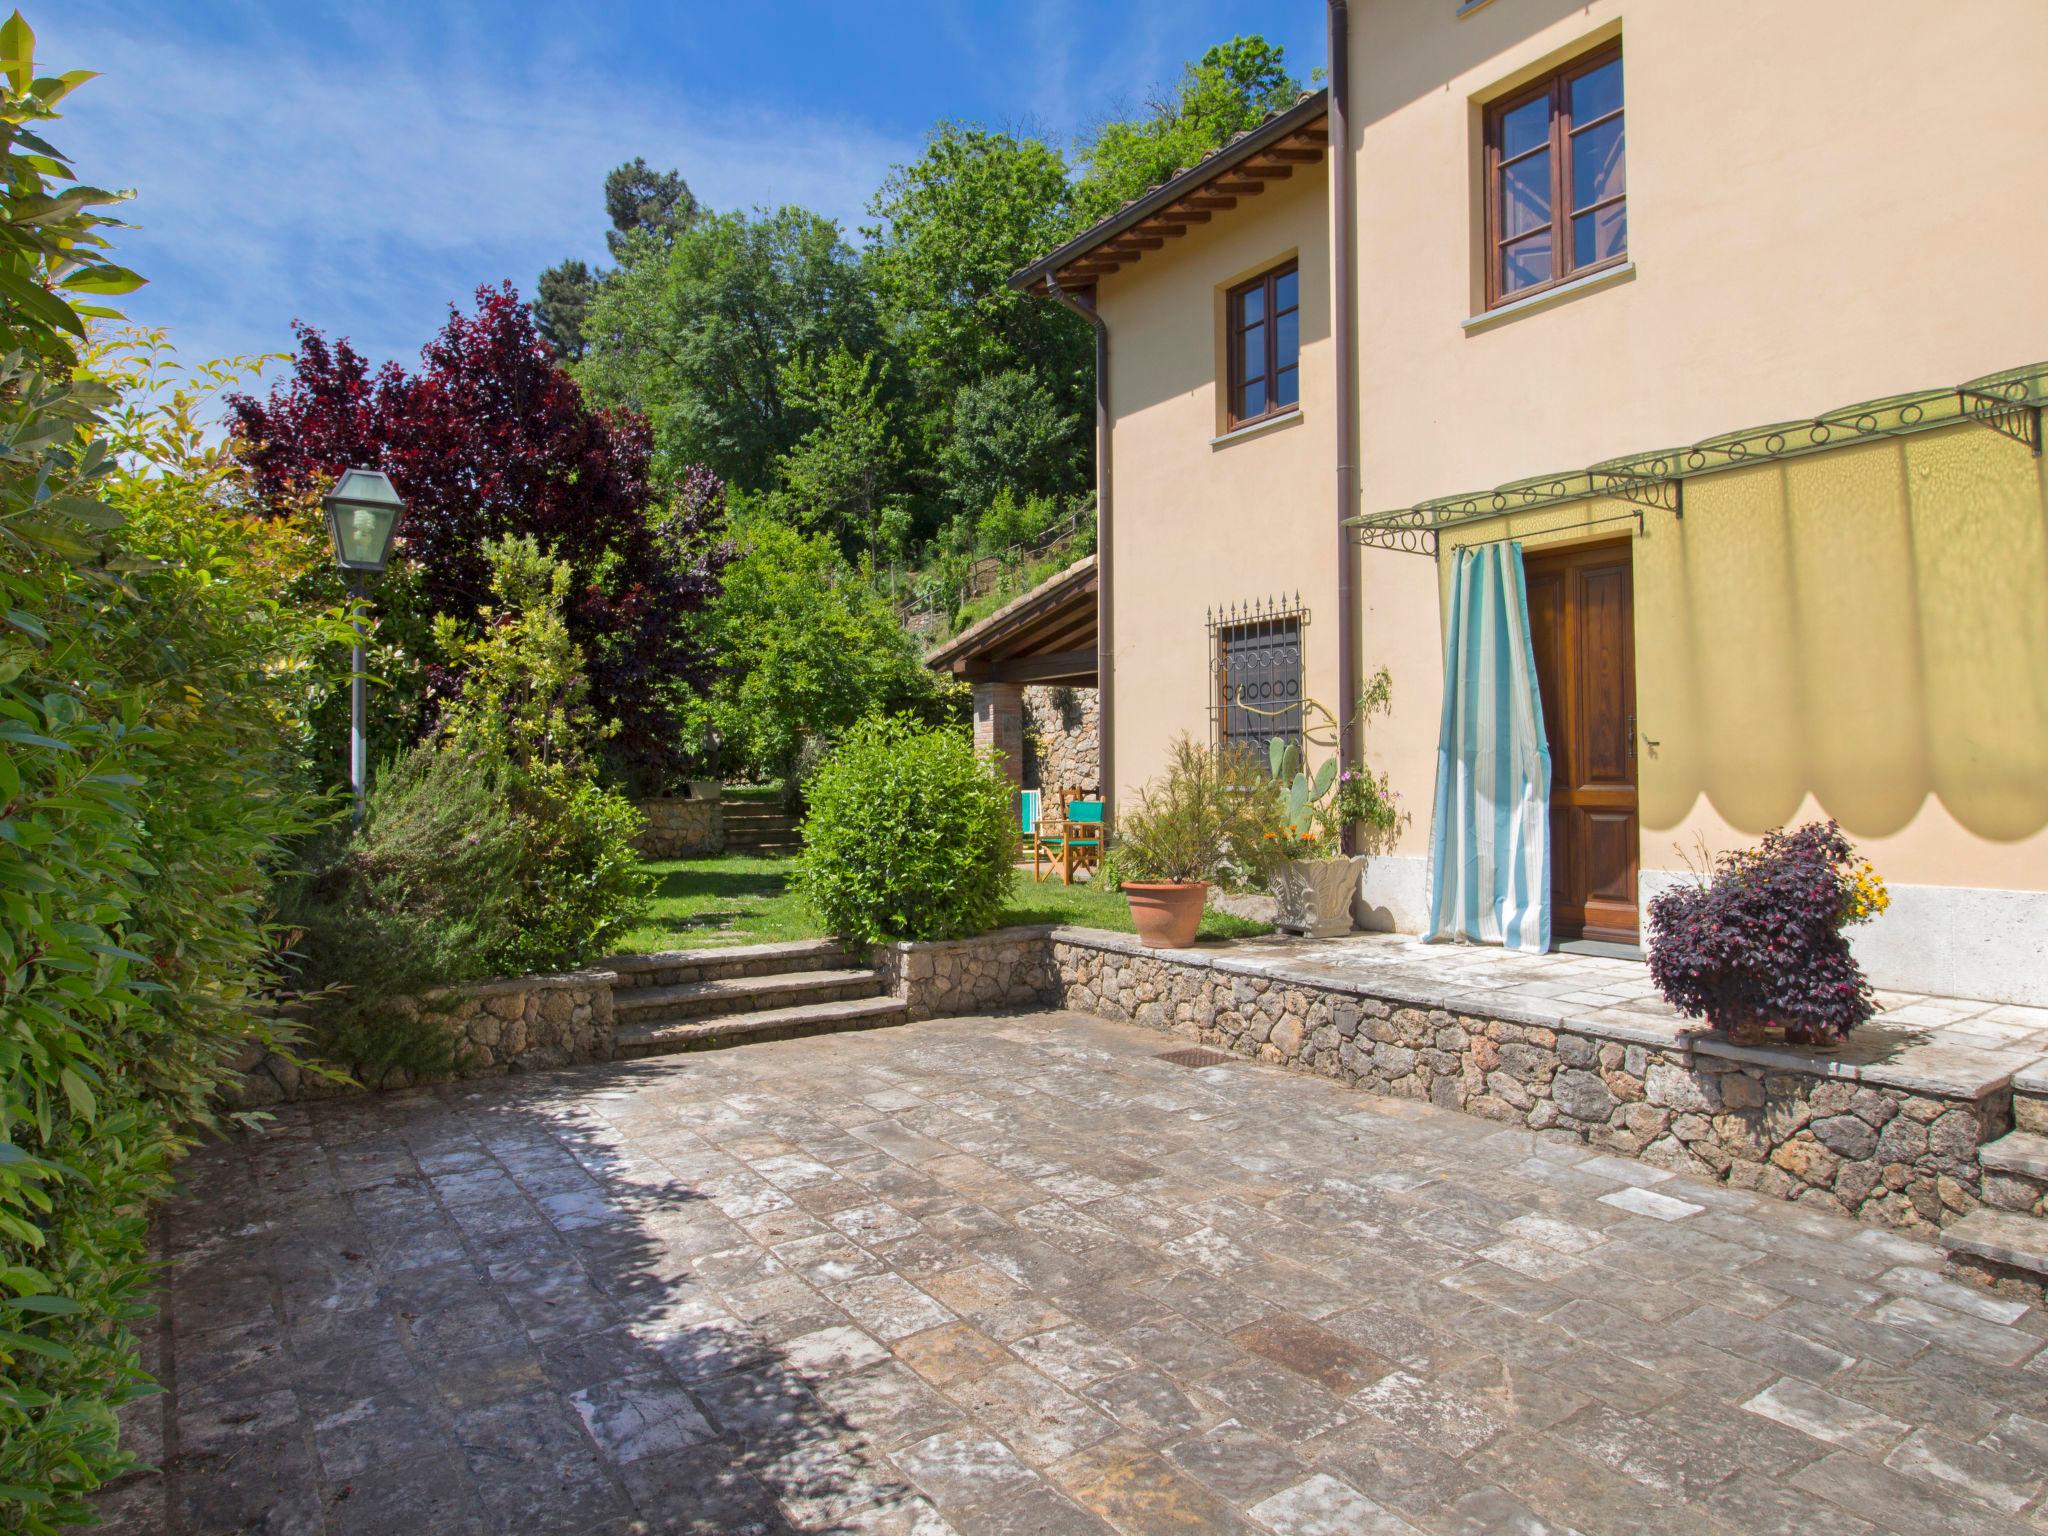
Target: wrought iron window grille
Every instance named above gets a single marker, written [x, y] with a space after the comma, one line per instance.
[2009, 403]
[1256, 672]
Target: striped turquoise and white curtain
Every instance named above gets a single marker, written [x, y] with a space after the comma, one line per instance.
[1489, 842]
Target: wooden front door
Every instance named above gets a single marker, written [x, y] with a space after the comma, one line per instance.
[1582, 629]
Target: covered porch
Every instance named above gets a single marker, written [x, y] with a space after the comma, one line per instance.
[1044, 640]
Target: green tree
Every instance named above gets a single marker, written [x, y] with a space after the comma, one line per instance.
[699, 336]
[810, 647]
[1008, 433]
[562, 306]
[491, 848]
[952, 226]
[838, 477]
[642, 201]
[1232, 87]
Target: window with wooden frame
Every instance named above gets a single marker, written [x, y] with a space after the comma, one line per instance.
[1264, 320]
[1556, 183]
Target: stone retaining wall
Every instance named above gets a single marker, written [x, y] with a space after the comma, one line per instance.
[522, 1024]
[1794, 1127]
[1870, 1139]
[683, 826]
[1009, 968]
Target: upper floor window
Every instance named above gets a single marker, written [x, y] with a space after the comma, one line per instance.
[1265, 345]
[1557, 193]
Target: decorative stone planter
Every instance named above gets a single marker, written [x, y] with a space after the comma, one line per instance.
[1314, 896]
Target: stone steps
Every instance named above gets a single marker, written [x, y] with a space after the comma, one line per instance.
[2004, 1239]
[740, 994]
[670, 1038]
[2024, 1153]
[698, 999]
[753, 827]
[2005, 1245]
[673, 967]
[761, 834]
[2030, 1098]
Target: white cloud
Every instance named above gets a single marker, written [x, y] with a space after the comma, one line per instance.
[273, 185]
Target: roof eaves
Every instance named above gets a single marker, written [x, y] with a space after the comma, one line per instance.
[1308, 106]
[1052, 587]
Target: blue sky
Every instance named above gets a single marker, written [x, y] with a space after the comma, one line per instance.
[360, 165]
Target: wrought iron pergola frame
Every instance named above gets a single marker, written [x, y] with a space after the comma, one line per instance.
[2009, 403]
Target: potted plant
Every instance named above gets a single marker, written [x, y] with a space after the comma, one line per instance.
[1761, 942]
[1186, 827]
[1314, 881]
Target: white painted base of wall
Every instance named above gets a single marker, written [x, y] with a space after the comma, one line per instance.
[1954, 941]
[1394, 896]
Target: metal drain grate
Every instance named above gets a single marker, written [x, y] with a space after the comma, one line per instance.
[1197, 1056]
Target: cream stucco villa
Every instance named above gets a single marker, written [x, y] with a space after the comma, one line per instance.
[1730, 314]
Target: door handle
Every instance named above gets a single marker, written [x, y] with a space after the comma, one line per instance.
[1631, 738]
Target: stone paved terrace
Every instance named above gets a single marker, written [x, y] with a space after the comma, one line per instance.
[1958, 1042]
[1021, 1275]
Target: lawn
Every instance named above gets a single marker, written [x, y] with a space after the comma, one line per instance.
[699, 903]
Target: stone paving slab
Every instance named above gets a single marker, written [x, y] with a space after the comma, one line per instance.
[1017, 1274]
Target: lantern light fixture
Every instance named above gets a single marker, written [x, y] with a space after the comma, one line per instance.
[363, 511]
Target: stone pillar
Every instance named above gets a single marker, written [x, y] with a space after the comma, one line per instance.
[999, 725]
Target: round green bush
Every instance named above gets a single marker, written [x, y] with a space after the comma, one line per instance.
[910, 835]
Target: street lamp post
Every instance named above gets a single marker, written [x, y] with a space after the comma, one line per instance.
[363, 511]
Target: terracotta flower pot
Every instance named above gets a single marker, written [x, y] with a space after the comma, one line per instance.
[1167, 913]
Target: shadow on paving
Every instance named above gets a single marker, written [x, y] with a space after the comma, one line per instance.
[475, 1312]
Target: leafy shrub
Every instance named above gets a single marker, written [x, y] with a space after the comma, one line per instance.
[810, 649]
[1201, 820]
[1010, 521]
[910, 835]
[419, 897]
[153, 703]
[491, 850]
[1762, 941]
